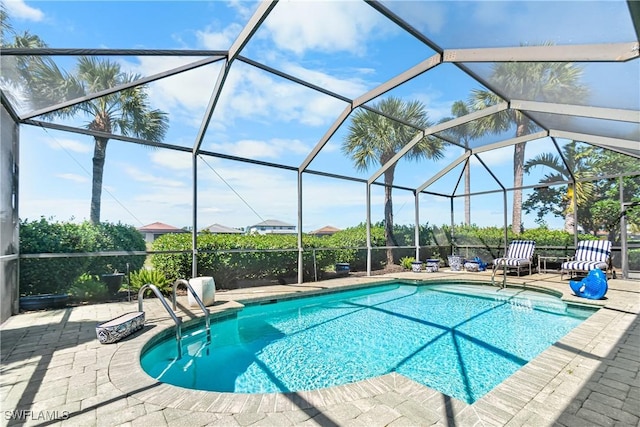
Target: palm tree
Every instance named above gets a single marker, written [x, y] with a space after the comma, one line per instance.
[127, 111]
[540, 81]
[580, 163]
[375, 139]
[13, 68]
[463, 134]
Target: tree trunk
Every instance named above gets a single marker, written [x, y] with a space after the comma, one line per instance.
[388, 213]
[568, 222]
[467, 198]
[518, 173]
[99, 154]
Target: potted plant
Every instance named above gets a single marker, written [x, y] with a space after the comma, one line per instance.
[113, 282]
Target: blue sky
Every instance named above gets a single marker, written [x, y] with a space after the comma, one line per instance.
[343, 46]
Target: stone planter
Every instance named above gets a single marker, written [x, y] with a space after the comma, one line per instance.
[41, 302]
[205, 288]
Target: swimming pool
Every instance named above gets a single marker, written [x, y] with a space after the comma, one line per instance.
[461, 340]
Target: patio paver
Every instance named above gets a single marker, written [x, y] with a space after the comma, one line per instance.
[53, 366]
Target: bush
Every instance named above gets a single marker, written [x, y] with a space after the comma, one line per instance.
[634, 259]
[50, 275]
[406, 262]
[57, 275]
[114, 237]
[142, 277]
[88, 287]
[357, 237]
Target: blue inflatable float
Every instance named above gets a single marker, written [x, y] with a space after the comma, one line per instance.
[594, 286]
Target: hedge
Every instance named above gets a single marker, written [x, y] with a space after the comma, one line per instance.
[57, 275]
[230, 258]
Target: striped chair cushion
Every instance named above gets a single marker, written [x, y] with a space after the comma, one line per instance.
[584, 265]
[522, 249]
[518, 253]
[512, 262]
[593, 250]
[590, 254]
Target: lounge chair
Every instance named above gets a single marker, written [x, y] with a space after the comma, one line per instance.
[590, 254]
[519, 255]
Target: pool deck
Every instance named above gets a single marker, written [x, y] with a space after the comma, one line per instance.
[53, 366]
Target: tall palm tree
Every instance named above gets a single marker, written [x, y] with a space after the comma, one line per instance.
[580, 163]
[539, 81]
[375, 139]
[127, 111]
[13, 68]
[462, 134]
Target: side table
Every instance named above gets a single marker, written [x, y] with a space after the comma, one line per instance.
[542, 262]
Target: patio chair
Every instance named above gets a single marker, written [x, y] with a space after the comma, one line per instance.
[519, 255]
[590, 254]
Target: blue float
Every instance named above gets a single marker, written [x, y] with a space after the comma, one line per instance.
[594, 286]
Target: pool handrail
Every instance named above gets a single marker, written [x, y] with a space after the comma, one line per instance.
[176, 319]
[198, 300]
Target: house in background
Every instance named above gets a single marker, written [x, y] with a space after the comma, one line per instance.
[271, 226]
[152, 231]
[221, 229]
[327, 230]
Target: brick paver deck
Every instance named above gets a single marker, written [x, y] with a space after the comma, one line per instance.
[54, 371]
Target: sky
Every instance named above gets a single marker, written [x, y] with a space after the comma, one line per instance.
[345, 47]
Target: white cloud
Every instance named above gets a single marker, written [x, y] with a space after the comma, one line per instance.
[221, 40]
[182, 94]
[69, 145]
[329, 26]
[136, 174]
[429, 16]
[73, 177]
[275, 148]
[253, 94]
[173, 160]
[17, 9]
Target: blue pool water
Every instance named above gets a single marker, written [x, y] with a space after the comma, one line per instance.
[461, 340]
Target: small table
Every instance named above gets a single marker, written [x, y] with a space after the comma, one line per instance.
[542, 262]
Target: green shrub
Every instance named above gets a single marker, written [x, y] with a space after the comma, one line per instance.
[105, 237]
[142, 277]
[406, 262]
[50, 275]
[89, 287]
[357, 237]
[56, 275]
[231, 258]
[634, 259]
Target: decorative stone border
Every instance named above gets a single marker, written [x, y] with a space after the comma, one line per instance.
[115, 329]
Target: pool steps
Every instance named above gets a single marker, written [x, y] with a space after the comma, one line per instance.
[176, 319]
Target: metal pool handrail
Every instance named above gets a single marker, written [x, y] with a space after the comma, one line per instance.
[198, 300]
[161, 298]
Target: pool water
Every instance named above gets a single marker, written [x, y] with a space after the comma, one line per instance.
[461, 340]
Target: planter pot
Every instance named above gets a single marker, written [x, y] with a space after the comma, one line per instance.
[433, 265]
[113, 282]
[472, 266]
[342, 269]
[455, 262]
[40, 302]
[205, 288]
[416, 266]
